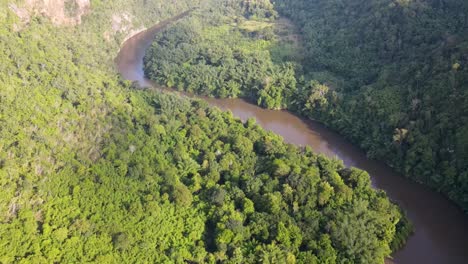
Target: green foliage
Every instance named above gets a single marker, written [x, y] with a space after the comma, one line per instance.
[223, 54]
[92, 170]
[390, 76]
[182, 195]
[396, 82]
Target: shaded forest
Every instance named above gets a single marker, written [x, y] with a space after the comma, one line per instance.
[402, 87]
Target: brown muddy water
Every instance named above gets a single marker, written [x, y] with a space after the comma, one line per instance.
[441, 228]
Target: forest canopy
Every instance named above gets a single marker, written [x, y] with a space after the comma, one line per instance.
[402, 92]
[390, 76]
[92, 170]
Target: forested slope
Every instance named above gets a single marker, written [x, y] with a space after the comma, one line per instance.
[389, 75]
[94, 171]
[398, 78]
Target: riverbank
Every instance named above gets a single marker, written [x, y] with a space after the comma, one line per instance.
[441, 231]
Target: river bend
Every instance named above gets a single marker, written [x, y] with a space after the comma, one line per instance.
[441, 228]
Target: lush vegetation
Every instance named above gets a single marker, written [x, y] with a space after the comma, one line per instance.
[225, 52]
[94, 171]
[399, 85]
[389, 75]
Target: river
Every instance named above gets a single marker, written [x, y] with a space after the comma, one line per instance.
[441, 228]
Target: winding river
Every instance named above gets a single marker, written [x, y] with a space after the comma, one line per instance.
[441, 228]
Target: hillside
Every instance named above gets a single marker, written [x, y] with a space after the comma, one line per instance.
[92, 170]
[397, 72]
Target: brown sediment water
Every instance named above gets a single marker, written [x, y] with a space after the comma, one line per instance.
[440, 227]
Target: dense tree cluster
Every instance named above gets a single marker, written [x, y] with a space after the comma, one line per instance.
[92, 170]
[389, 75]
[222, 53]
[399, 78]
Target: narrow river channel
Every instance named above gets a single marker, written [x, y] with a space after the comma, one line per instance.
[441, 229]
